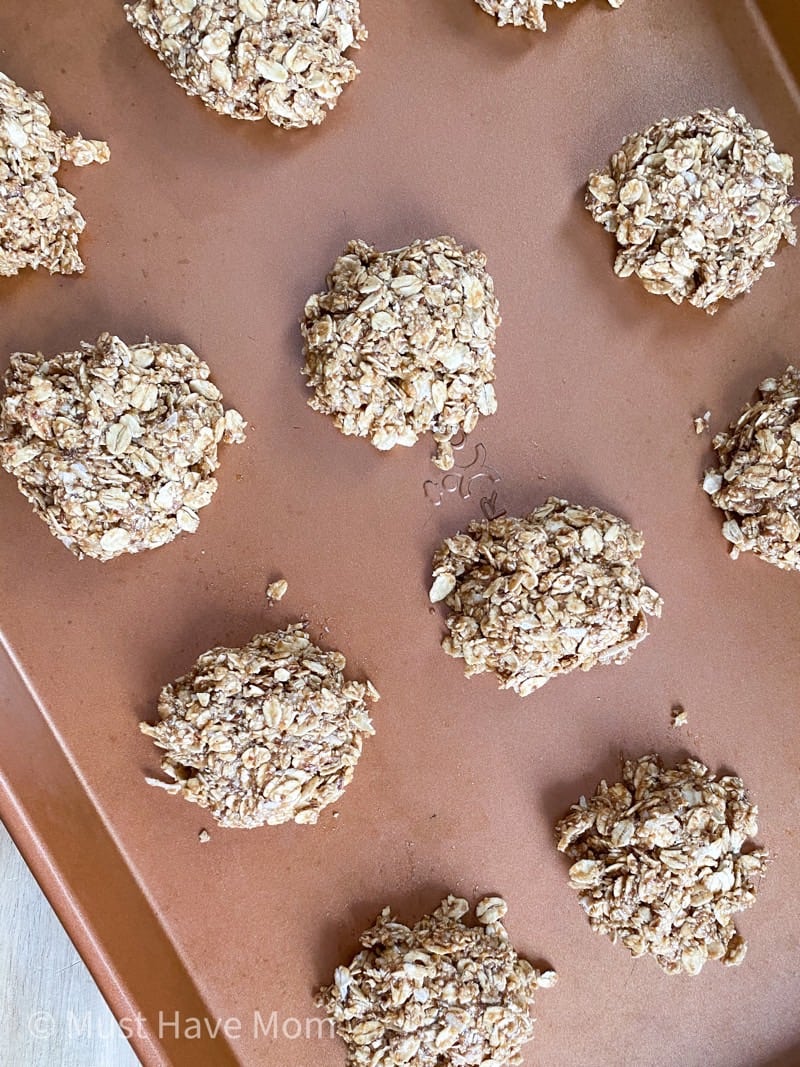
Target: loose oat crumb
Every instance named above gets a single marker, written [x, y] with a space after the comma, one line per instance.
[264, 734]
[39, 222]
[658, 862]
[283, 60]
[757, 480]
[436, 994]
[679, 716]
[701, 423]
[115, 445]
[531, 598]
[402, 343]
[277, 590]
[527, 13]
[698, 206]
[204, 837]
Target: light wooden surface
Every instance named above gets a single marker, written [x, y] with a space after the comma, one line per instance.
[51, 1012]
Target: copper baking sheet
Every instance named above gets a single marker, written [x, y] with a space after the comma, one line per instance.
[213, 232]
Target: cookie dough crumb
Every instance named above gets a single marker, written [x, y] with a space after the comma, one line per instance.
[204, 837]
[277, 590]
[658, 865]
[264, 734]
[698, 206]
[39, 222]
[679, 716]
[531, 598]
[470, 993]
[283, 60]
[701, 423]
[402, 343]
[115, 446]
[527, 13]
[757, 480]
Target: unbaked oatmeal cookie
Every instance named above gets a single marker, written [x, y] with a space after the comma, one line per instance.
[265, 734]
[527, 13]
[440, 993]
[39, 222]
[402, 343]
[115, 445]
[283, 60]
[662, 861]
[534, 597]
[698, 206]
[757, 479]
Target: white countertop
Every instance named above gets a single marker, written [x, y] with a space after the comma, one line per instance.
[51, 1012]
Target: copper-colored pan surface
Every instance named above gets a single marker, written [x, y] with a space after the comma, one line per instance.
[213, 232]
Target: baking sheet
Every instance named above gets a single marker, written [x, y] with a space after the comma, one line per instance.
[212, 232]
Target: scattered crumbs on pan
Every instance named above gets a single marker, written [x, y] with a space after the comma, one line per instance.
[277, 590]
[204, 837]
[679, 716]
[701, 423]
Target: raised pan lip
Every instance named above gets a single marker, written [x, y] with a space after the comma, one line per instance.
[27, 808]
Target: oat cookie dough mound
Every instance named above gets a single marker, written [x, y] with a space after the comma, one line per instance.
[264, 734]
[39, 222]
[283, 60]
[757, 481]
[698, 206]
[658, 862]
[436, 994]
[527, 13]
[402, 343]
[114, 445]
[544, 595]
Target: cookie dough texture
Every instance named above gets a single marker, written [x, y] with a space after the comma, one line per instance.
[402, 343]
[436, 994]
[698, 206]
[658, 862]
[39, 222]
[531, 598]
[115, 446]
[283, 60]
[264, 734]
[757, 479]
[527, 13]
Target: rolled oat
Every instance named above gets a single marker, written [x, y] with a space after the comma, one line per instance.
[277, 590]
